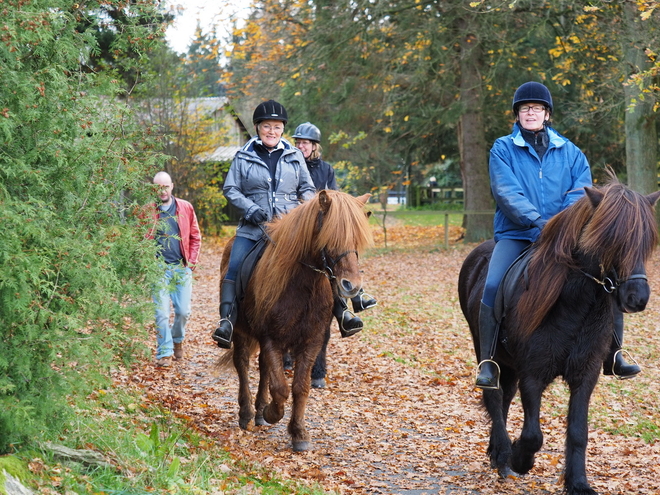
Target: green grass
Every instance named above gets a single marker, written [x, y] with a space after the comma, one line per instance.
[419, 218]
[148, 450]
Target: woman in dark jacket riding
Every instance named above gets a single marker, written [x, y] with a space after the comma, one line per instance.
[308, 140]
[535, 173]
[267, 178]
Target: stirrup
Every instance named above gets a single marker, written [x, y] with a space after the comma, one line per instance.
[497, 385]
[222, 342]
[348, 332]
[365, 301]
[631, 361]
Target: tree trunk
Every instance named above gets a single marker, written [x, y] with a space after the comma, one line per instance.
[472, 140]
[640, 126]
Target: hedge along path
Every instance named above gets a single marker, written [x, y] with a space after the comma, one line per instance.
[400, 414]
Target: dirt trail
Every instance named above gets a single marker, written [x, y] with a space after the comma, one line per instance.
[399, 414]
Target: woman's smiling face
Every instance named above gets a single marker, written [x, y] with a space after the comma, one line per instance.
[270, 132]
[531, 116]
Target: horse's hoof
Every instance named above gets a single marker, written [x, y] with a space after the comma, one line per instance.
[301, 446]
[260, 421]
[318, 382]
[244, 424]
[581, 489]
[271, 415]
[507, 473]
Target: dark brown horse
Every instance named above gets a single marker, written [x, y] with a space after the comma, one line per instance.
[560, 318]
[312, 252]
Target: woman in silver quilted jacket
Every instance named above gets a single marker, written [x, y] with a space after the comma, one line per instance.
[267, 178]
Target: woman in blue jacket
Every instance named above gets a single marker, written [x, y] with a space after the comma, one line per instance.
[535, 173]
[267, 178]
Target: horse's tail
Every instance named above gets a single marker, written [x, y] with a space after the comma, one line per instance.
[226, 361]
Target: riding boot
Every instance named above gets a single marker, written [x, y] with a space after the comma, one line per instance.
[222, 335]
[363, 301]
[489, 371]
[349, 324]
[615, 363]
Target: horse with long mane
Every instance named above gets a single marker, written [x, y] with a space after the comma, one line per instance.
[312, 252]
[559, 318]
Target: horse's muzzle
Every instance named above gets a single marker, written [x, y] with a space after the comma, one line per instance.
[347, 289]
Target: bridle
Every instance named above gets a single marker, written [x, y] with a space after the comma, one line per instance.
[610, 284]
[329, 263]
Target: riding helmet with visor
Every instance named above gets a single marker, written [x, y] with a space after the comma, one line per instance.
[532, 92]
[308, 131]
[269, 110]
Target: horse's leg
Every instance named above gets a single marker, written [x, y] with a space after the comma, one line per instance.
[320, 366]
[241, 359]
[509, 385]
[271, 359]
[531, 436]
[575, 477]
[262, 392]
[300, 391]
[497, 404]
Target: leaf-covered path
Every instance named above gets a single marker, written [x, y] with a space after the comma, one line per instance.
[399, 413]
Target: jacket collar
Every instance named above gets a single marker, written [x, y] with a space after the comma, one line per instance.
[282, 145]
[554, 139]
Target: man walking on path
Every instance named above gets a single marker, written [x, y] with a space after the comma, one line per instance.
[176, 230]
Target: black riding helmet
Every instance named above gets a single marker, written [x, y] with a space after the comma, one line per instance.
[532, 92]
[269, 110]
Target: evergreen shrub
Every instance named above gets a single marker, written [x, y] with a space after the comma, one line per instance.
[75, 269]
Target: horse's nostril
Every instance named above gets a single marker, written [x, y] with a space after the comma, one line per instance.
[347, 285]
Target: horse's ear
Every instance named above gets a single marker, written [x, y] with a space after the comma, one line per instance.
[653, 197]
[594, 195]
[364, 198]
[324, 201]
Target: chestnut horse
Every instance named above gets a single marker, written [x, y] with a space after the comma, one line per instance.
[312, 252]
[559, 319]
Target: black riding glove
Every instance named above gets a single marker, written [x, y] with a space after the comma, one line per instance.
[257, 217]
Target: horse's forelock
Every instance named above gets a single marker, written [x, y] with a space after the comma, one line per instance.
[345, 227]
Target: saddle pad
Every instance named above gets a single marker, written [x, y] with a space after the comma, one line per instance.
[247, 267]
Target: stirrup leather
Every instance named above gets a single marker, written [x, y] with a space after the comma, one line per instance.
[628, 357]
[497, 385]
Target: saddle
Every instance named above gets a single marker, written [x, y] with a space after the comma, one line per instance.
[247, 267]
[509, 283]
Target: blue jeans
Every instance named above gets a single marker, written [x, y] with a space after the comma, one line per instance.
[175, 286]
[239, 251]
[506, 251]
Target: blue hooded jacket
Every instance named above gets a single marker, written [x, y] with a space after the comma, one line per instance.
[528, 191]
